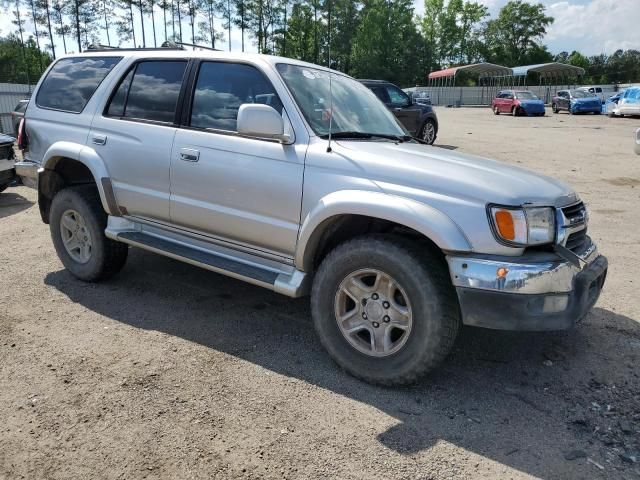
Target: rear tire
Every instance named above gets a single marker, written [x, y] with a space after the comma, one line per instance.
[82, 246]
[416, 277]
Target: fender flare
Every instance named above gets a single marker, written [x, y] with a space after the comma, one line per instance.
[90, 159]
[428, 221]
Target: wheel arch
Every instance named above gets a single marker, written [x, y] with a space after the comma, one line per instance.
[68, 163]
[345, 214]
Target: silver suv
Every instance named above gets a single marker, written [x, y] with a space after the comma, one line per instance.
[298, 179]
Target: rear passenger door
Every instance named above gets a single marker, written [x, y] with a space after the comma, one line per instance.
[134, 135]
[507, 102]
[241, 190]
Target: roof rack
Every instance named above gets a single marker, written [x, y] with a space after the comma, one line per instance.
[167, 45]
[108, 48]
[183, 44]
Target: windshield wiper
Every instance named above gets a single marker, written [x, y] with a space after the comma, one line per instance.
[366, 135]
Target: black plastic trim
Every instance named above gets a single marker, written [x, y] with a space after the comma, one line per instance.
[195, 255]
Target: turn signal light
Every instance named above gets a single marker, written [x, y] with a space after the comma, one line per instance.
[504, 222]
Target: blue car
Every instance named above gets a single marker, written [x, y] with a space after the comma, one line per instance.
[576, 101]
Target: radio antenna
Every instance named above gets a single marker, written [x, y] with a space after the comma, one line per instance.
[330, 113]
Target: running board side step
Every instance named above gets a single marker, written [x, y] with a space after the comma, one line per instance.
[292, 284]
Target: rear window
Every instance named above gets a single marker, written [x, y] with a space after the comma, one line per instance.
[71, 82]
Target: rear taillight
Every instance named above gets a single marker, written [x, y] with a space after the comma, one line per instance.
[23, 138]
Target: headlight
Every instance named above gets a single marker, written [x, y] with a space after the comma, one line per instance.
[523, 226]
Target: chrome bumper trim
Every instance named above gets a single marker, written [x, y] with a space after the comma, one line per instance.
[513, 277]
[28, 173]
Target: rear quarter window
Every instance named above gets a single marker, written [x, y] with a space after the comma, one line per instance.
[71, 82]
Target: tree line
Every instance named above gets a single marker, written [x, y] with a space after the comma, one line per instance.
[364, 38]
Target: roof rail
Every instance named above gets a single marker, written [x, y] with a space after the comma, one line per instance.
[183, 44]
[108, 48]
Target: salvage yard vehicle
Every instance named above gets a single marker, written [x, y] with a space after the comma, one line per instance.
[7, 168]
[517, 102]
[320, 192]
[576, 101]
[418, 118]
[627, 104]
[595, 91]
[17, 114]
[637, 144]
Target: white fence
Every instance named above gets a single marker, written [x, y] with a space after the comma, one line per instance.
[461, 96]
[10, 95]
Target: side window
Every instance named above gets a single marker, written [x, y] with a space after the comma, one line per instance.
[71, 82]
[116, 107]
[153, 93]
[381, 93]
[220, 90]
[397, 96]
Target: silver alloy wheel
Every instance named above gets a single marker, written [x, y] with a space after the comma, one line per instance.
[428, 132]
[76, 237]
[373, 312]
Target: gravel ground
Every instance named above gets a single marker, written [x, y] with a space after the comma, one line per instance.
[169, 371]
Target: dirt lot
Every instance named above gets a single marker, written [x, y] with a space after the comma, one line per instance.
[169, 371]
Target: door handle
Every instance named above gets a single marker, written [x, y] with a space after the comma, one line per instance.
[98, 139]
[189, 155]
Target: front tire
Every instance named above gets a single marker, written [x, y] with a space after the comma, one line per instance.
[398, 311]
[77, 222]
[496, 110]
[428, 132]
[555, 108]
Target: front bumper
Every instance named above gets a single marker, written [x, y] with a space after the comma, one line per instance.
[587, 108]
[552, 294]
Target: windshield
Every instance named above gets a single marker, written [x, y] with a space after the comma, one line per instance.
[526, 96]
[581, 94]
[355, 107]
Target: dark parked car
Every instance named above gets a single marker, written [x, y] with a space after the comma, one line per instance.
[517, 102]
[419, 119]
[576, 101]
[17, 115]
[7, 169]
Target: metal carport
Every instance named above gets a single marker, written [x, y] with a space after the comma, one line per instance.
[549, 74]
[442, 82]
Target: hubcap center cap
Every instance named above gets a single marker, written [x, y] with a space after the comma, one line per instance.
[374, 310]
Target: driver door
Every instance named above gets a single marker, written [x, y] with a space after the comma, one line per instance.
[403, 108]
[240, 190]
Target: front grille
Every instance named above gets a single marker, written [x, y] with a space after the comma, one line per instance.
[6, 151]
[576, 216]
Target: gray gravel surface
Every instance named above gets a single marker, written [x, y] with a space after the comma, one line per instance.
[169, 371]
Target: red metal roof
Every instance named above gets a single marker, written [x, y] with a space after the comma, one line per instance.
[482, 69]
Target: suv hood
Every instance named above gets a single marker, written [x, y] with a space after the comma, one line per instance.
[407, 167]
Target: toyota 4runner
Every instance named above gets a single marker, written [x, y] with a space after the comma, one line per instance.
[297, 178]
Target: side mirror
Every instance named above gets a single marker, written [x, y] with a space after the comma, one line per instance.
[257, 120]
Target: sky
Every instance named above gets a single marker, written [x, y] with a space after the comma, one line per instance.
[589, 26]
